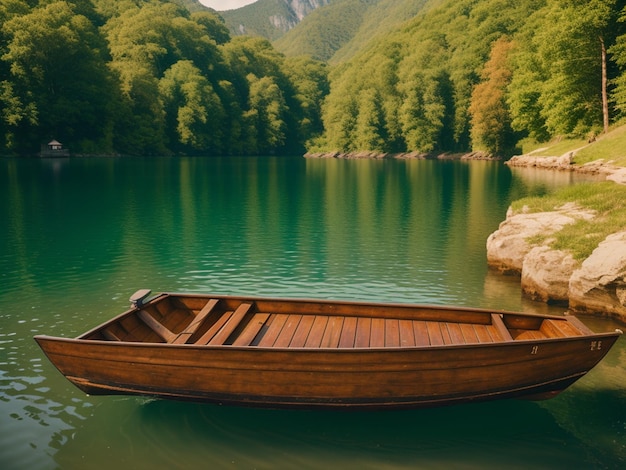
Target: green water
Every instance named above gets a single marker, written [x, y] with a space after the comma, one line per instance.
[79, 236]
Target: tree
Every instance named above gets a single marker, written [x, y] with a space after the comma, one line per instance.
[561, 69]
[269, 110]
[491, 130]
[618, 52]
[145, 41]
[310, 80]
[369, 132]
[213, 24]
[194, 111]
[59, 83]
[339, 114]
[424, 110]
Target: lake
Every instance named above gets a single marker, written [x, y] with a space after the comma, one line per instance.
[79, 236]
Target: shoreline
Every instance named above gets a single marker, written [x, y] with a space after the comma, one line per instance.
[546, 275]
[404, 155]
[595, 286]
[565, 162]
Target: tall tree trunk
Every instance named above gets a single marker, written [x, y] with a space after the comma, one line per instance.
[605, 100]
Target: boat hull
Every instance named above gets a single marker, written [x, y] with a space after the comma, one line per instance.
[354, 378]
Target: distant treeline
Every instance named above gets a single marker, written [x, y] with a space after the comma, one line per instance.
[147, 77]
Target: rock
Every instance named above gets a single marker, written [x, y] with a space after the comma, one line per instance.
[546, 274]
[599, 286]
[508, 246]
[618, 176]
[564, 162]
[416, 155]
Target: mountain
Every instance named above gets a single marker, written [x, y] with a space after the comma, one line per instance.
[336, 32]
[191, 5]
[270, 18]
[327, 30]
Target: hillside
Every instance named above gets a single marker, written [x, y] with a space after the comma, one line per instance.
[270, 18]
[479, 75]
[327, 30]
[192, 5]
[337, 32]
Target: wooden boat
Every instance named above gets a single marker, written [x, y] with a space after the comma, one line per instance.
[325, 354]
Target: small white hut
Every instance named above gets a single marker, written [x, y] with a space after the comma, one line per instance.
[54, 148]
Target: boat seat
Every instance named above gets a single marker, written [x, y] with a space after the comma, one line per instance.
[230, 326]
[110, 335]
[186, 334]
[156, 326]
[497, 321]
[224, 327]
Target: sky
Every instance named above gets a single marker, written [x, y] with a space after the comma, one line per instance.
[221, 5]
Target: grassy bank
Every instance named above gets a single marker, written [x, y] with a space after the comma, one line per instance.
[610, 148]
[581, 238]
[607, 199]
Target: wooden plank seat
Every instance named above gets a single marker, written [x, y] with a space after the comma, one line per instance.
[314, 331]
[156, 326]
[185, 335]
[229, 326]
[501, 328]
[251, 330]
[559, 328]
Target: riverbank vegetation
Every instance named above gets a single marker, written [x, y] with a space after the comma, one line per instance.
[609, 148]
[482, 75]
[147, 77]
[151, 77]
[605, 199]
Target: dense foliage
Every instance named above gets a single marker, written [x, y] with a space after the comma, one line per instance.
[482, 74]
[148, 77]
[151, 77]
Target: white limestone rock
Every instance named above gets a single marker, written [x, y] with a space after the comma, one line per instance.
[546, 274]
[508, 246]
[599, 286]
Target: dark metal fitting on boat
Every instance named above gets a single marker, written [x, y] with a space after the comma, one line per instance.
[138, 297]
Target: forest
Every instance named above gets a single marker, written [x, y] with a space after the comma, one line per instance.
[148, 77]
[152, 77]
[482, 75]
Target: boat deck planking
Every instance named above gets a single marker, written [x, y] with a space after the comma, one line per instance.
[220, 322]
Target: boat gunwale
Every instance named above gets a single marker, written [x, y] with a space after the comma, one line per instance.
[359, 303]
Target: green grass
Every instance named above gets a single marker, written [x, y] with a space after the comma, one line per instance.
[611, 147]
[581, 238]
[554, 148]
[608, 200]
